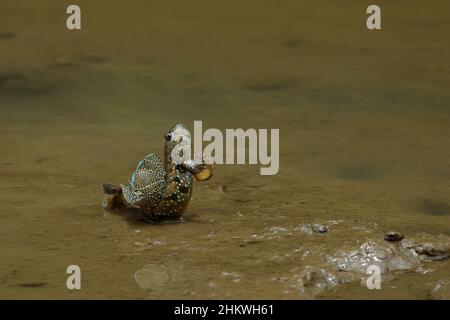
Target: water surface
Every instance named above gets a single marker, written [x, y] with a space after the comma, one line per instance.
[364, 143]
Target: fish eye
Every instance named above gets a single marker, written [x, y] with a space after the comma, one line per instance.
[168, 136]
[181, 139]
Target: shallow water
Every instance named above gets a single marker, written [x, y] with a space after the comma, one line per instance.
[364, 144]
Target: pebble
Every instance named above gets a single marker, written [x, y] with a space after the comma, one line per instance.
[314, 228]
[393, 236]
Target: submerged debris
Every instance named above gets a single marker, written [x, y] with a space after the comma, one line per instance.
[152, 276]
[435, 248]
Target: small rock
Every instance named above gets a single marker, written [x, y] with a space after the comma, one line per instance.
[314, 228]
[393, 236]
[319, 228]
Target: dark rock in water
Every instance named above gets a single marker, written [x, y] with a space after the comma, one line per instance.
[393, 236]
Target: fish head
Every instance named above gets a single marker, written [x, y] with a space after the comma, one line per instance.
[177, 139]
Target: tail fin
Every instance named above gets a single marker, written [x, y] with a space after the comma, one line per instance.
[109, 188]
[113, 197]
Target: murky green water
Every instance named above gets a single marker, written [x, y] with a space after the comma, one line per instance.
[364, 122]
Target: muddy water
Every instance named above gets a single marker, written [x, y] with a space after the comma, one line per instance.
[364, 145]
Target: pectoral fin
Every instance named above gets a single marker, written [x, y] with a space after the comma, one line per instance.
[133, 197]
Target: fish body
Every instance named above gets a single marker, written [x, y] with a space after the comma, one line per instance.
[161, 191]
